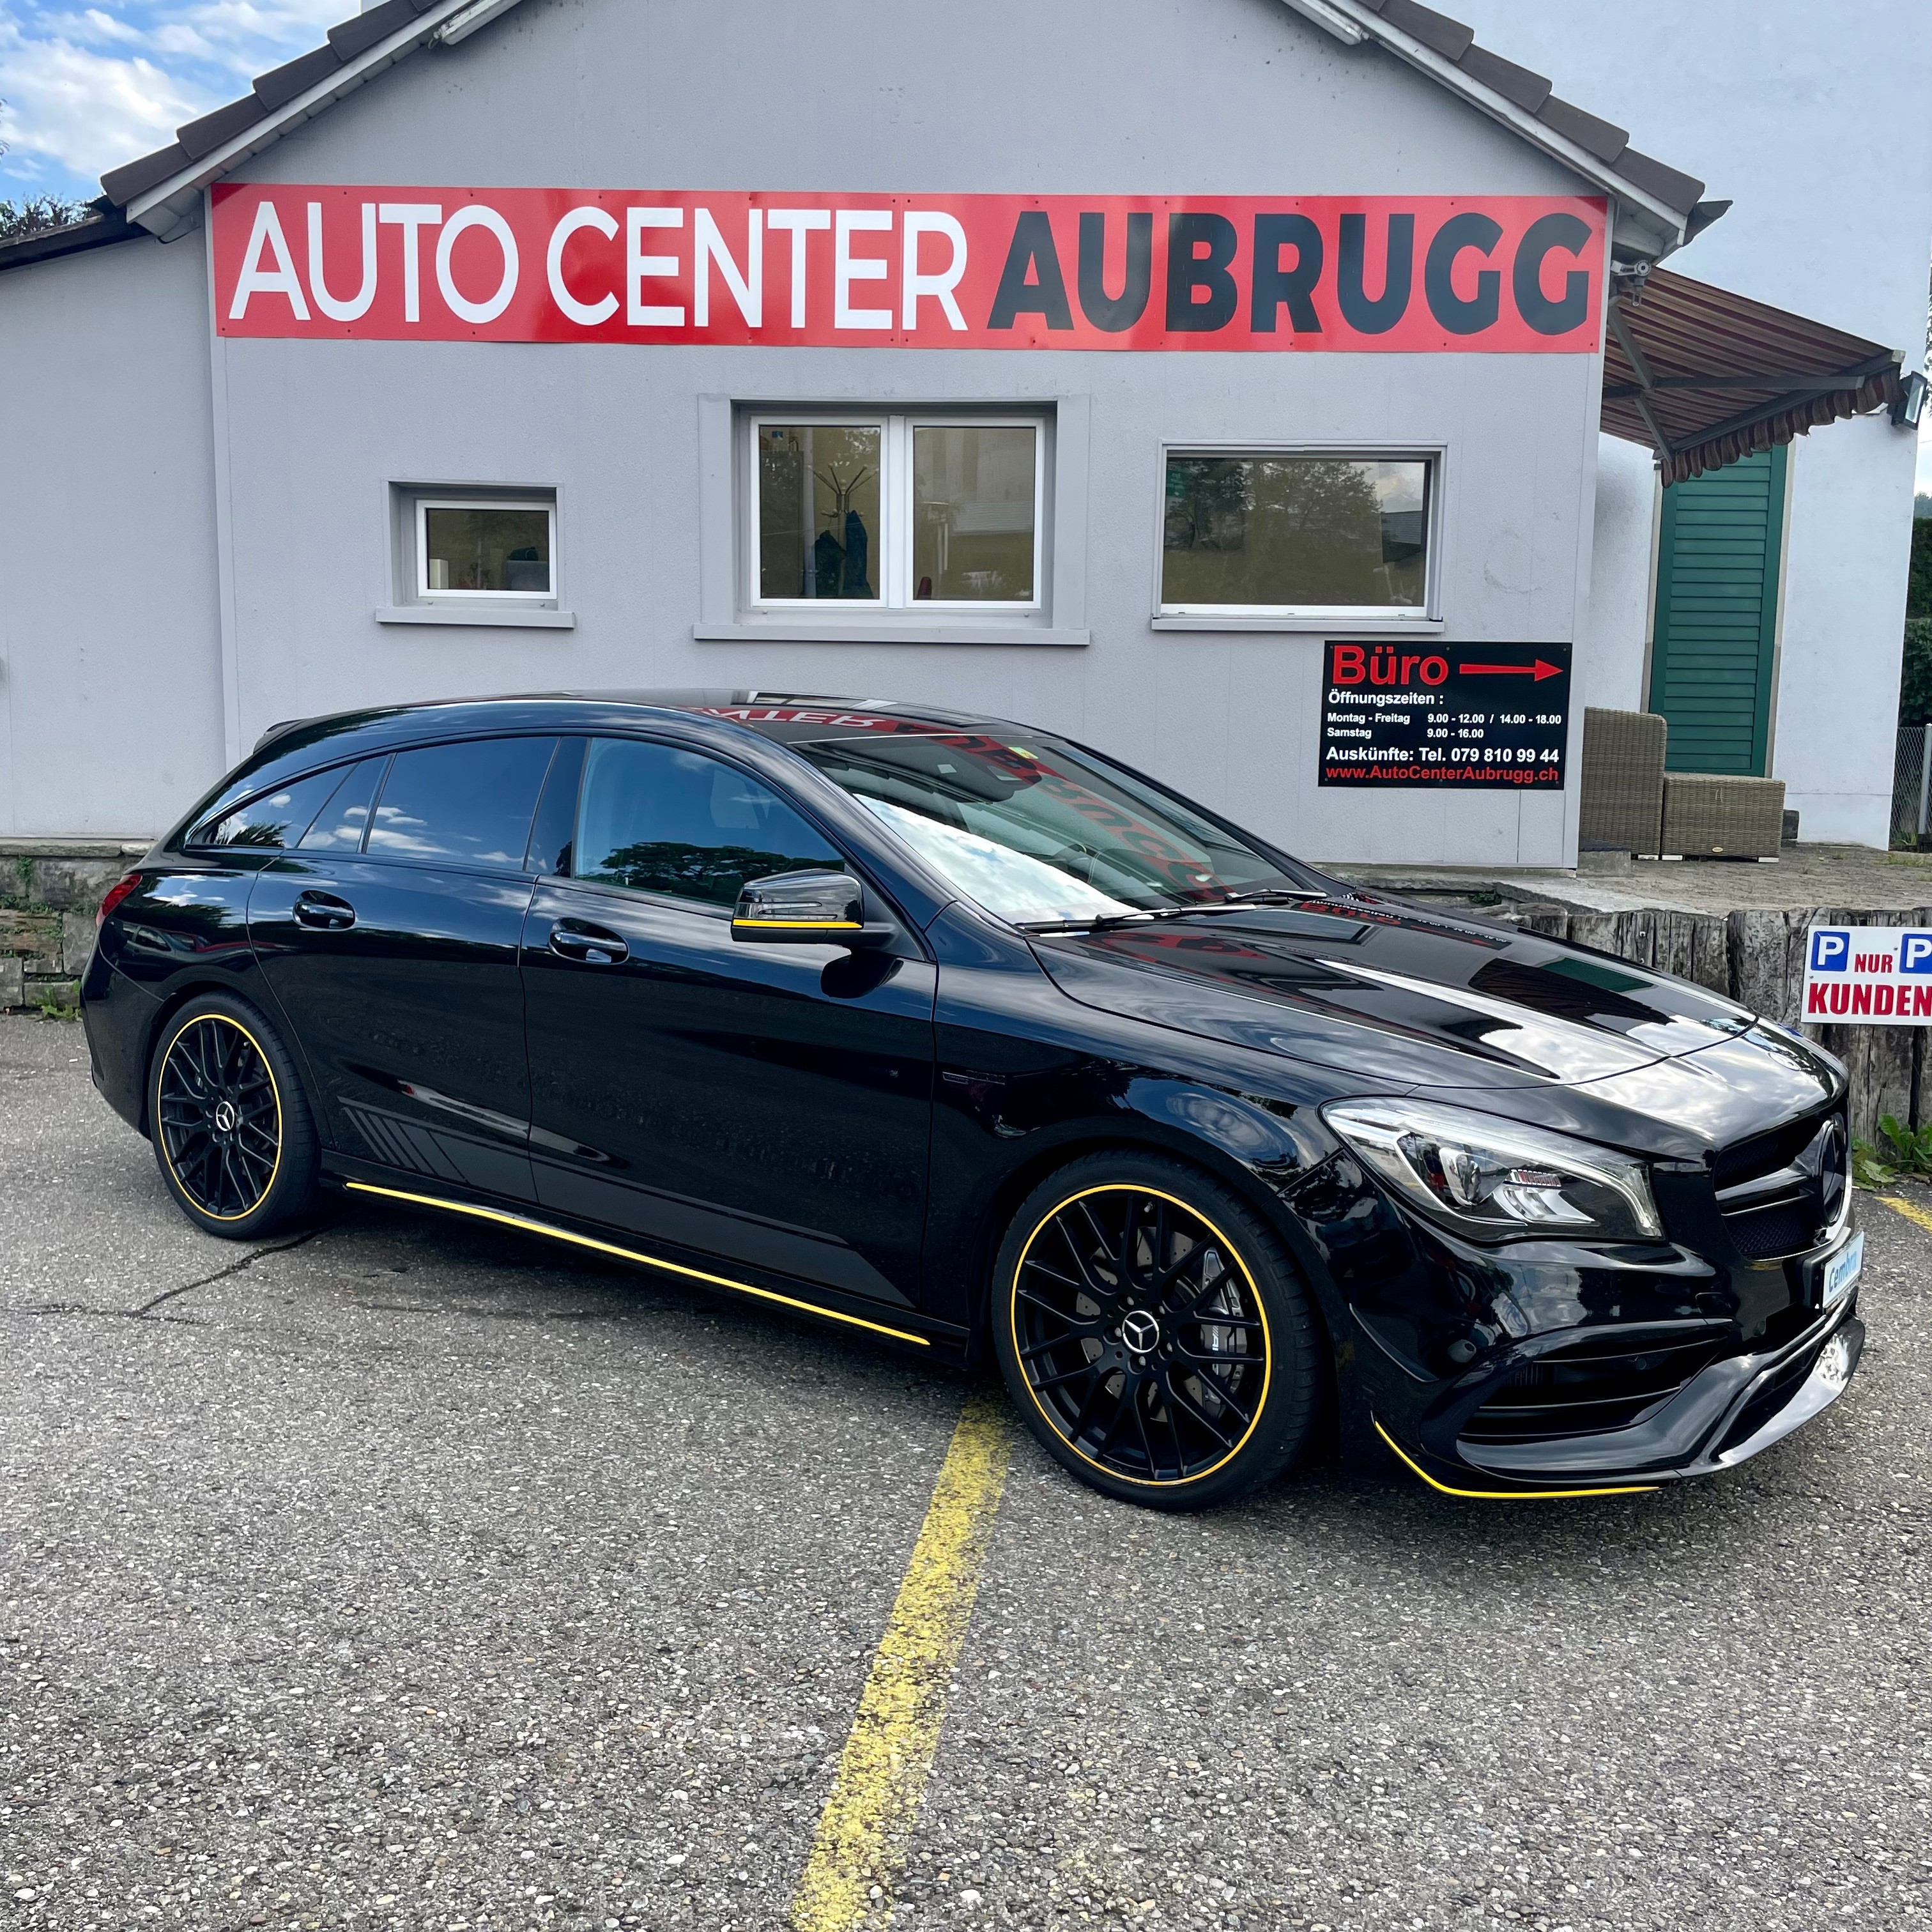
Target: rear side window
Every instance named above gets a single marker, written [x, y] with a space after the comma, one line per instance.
[468, 804]
[273, 823]
[340, 825]
[659, 820]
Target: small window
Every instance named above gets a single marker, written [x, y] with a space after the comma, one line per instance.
[274, 822]
[468, 804]
[485, 550]
[1341, 536]
[655, 819]
[343, 823]
[474, 548]
[898, 511]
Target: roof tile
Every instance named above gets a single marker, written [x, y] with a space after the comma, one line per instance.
[1437, 32]
[1517, 85]
[280, 84]
[120, 185]
[357, 34]
[1603, 138]
[1675, 190]
[203, 137]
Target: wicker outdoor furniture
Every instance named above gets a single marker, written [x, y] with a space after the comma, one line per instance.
[1706, 816]
[1622, 806]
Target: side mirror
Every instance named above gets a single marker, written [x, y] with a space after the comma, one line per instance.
[806, 909]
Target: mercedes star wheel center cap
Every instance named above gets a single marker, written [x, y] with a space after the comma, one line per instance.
[225, 1117]
[1141, 1332]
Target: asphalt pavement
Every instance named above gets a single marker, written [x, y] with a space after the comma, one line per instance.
[418, 1575]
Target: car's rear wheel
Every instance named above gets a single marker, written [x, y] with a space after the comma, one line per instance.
[233, 1136]
[1154, 1331]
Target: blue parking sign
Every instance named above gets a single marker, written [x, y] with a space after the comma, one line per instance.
[1915, 952]
[1830, 952]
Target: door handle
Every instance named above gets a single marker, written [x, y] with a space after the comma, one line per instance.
[589, 945]
[323, 912]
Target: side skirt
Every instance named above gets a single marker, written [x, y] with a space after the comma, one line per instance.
[906, 1329]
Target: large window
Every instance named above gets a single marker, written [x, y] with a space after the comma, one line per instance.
[655, 819]
[1308, 534]
[897, 512]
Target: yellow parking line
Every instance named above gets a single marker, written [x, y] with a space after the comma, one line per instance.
[868, 1820]
[1910, 1210]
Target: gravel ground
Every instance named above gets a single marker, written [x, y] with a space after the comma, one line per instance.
[405, 1578]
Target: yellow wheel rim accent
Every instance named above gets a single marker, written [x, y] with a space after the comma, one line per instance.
[1228, 1250]
[171, 1155]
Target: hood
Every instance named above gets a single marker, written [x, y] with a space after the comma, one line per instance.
[1401, 996]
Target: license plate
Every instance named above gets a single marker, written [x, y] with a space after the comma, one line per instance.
[1842, 1269]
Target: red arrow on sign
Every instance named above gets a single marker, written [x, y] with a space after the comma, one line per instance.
[1539, 670]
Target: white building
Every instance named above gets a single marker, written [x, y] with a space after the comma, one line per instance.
[241, 449]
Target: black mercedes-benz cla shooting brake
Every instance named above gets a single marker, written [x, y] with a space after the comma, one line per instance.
[959, 1034]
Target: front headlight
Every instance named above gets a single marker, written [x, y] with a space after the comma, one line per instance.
[1493, 1180]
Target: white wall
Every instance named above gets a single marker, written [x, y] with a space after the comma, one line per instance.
[1817, 121]
[110, 694]
[1610, 651]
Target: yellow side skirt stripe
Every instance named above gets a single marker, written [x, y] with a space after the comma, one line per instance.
[1510, 1495]
[529, 1227]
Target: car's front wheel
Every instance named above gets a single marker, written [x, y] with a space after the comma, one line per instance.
[233, 1136]
[1155, 1333]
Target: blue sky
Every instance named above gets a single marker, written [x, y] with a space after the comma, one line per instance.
[83, 89]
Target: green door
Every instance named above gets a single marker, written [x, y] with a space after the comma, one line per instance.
[1717, 614]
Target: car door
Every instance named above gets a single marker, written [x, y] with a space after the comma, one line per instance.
[390, 937]
[769, 1106]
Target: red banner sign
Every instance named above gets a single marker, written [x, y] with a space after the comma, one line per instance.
[1512, 273]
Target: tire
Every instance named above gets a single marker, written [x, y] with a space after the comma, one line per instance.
[1218, 1406]
[250, 1170]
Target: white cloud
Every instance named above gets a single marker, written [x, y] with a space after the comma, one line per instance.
[85, 111]
[83, 89]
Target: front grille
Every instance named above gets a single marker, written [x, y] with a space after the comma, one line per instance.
[1590, 1387]
[1780, 1193]
[1776, 1393]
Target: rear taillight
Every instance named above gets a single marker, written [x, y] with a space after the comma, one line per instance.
[115, 893]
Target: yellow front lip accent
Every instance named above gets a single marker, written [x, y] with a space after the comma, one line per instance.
[529, 1227]
[1510, 1495]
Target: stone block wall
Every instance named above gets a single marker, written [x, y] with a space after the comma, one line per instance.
[49, 890]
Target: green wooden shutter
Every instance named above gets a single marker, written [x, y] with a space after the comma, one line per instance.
[1717, 614]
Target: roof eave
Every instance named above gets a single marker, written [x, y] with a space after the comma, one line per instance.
[169, 207]
[1647, 228]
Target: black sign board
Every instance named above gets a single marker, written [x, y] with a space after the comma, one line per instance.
[1427, 714]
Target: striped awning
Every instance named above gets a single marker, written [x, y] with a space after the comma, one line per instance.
[1705, 376]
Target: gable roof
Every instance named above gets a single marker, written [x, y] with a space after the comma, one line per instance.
[1658, 207]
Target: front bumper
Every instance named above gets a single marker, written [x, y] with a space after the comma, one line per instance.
[1732, 1410]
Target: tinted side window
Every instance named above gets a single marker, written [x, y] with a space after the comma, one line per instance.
[274, 822]
[340, 825]
[660, 819]
[471, 803]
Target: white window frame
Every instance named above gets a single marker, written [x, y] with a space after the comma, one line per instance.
[895, 540]
[428, 500]
[1427, 615]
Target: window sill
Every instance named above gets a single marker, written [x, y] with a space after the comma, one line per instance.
[772, 631]
[1320, 627]
[484, 617]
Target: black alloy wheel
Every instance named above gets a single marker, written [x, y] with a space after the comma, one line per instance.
[232, 1131]
[1154, 1332]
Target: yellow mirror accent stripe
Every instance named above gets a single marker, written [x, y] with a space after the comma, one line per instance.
[816, 924]
[530, 1227]
[1510, 1495]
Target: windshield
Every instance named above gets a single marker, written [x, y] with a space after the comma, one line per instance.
[1041, 833]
